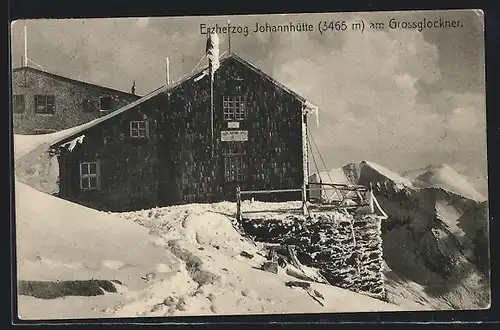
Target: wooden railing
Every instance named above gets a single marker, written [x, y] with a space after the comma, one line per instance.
[360, 196]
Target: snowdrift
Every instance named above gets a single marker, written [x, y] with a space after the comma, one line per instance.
[33, 164]
[225, 267]
[59, 240]
[184, 260]
[23, 144]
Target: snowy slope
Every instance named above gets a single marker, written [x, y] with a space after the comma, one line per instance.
[192, 253]
[33, 164]
[336, 175]
[399, 180]
[23, 144]
[343, 176]
[59, 240]
[228, 283]
[445, 177]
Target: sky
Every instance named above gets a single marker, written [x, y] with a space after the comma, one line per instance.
[402, 98]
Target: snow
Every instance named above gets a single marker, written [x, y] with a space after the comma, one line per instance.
[180, 260]
[334, 176]
[235, 285]
[23, 144]
[399, 180]
[444, 177]
[450, 215]
[59, 240]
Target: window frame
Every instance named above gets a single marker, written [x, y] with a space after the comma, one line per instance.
[237, 161]
[89, 176]
[14, 103]
[234, 108]
[238, 164]
[100, 103]
[138, 129]
[45, 97]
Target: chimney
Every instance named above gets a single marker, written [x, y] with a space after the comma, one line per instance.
[133, 88]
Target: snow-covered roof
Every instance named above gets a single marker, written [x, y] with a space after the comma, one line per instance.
[170, 87]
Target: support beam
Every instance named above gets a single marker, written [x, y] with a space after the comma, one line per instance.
[305, 160]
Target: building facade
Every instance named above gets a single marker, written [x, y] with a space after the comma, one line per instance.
[44, 102]
[193, 141]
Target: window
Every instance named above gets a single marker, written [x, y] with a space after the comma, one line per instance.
[139, 129]
[45, 104]
[89, 175]
[105, 103]
[234, 108]
[18, 103]
[235, 168]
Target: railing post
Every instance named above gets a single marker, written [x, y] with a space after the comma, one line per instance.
[370, 194]
[238, 204]
[320, 191]
[304, 199]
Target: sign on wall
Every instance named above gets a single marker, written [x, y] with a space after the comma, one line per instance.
[234, 136]
[233, 124]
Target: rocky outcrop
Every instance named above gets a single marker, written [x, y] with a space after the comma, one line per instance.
[345, 248]
[434, 237]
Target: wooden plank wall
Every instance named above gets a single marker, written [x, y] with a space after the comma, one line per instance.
[128, 166]
[274, 148]
[176, 164]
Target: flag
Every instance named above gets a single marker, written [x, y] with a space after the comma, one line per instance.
[212, 51]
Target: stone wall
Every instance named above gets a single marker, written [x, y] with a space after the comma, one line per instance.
[347, 249]
[75, 102]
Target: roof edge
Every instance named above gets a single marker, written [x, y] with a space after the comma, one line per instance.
[58, 76]
[168, 88]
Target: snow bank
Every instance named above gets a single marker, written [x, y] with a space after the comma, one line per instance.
[59, 240]
[185, 260]
[223, 280]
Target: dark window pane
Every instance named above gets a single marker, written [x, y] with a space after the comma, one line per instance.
[85, 183]
[18, 103]
[105, 103]
[85, 168]
[93, 168]
[93, 182]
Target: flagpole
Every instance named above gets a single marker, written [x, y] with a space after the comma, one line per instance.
[213, 65]
[229, 36]
[25, 45]
[211, 107]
